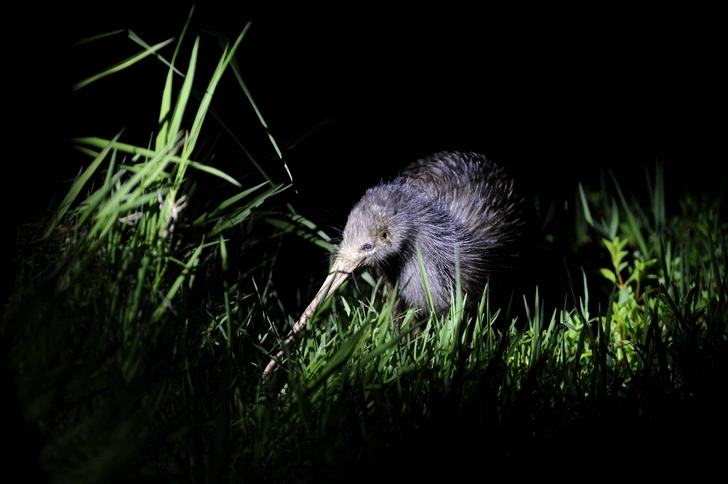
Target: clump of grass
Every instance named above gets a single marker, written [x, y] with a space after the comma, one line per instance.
[127, 325]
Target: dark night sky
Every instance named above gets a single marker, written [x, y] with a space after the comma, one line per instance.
[553, 95]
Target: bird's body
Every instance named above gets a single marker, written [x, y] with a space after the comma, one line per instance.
[456, 209]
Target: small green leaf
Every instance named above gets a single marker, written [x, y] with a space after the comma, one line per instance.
[608, 274]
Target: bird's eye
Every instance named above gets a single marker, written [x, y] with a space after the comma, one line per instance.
[367, 247]
[384, 235]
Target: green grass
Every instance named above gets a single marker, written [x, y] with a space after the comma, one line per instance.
[143, 316]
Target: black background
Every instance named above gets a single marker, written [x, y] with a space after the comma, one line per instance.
[555, 95]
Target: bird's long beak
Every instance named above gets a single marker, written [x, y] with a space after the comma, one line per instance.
[340, 271]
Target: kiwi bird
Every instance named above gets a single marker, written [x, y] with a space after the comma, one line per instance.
[454, 208]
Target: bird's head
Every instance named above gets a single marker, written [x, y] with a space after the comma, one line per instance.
[377, 228]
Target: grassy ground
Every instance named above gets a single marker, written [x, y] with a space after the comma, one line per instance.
[145, 309]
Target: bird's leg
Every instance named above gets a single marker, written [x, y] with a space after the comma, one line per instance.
[388, 293]
[398, 310]
[399, 307]
[415, 331]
